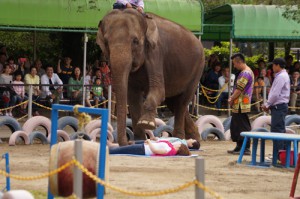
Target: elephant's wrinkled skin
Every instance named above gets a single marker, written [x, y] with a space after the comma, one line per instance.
[152, 60]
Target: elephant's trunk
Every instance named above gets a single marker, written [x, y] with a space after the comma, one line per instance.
[121, 65]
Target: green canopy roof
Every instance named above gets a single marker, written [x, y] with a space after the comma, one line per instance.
[84, 15]
[249, 22]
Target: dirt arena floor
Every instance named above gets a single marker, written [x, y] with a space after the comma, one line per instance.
[222, 174]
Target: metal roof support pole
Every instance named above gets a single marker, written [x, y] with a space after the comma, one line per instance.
[84, 68]
[34, 46]
[230, 71]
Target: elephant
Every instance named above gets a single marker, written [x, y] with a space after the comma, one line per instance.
[152, 60]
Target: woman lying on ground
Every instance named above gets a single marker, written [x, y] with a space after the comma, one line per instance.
[152, 148]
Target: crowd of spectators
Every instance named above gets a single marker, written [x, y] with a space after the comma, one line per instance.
[50, 83]
[216, 76]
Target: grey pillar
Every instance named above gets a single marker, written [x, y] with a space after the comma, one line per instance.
[84, 69]
[200, 194]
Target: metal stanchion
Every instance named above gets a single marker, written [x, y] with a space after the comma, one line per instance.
[30, 101]
[265, 96]
[109, 104]
[197, 100]
[77, 176]
[200, 194]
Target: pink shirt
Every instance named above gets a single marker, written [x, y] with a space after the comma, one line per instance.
[20, 90]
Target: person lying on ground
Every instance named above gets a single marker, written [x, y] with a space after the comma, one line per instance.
[150, 148]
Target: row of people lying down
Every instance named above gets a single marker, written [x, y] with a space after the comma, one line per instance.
[159, 147]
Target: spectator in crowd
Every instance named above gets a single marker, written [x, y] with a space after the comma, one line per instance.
[19, 88]
[278, 100]
[138, 4]
[295, 90]
[8, 92]
[96, 65]
[240, 101]
[33, 78]
[12, 65]
[75, 92]
[289, 63]
[211, 80]
[263, 74]
[53, 91]
[22, 69]
[223, 83]
[296, 67]
[261, 65]
[65, 71]
[98, 92]
[2, 61]
[39, 68]
[257, 94]
[105, 76]
[97, 75]
[270, 74]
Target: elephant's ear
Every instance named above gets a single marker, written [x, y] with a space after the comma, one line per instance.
[100, 39]
[152, 32]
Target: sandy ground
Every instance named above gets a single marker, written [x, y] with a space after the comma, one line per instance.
[222, 174]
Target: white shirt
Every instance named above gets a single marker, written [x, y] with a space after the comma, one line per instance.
[222, 82]
[139, 3]
[157, 145]
[45, 80]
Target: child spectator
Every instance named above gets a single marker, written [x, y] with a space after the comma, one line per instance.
[12, 65]
[88, 82]
[8, 92]
[20, 92]
[295, 90]
[98, 92]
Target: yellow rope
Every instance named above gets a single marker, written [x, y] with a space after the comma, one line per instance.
[12, 107]
[83, 118]
[100, 104]
[38, 177]
[217, 97]
[42, 106]
[97, 180]
[209, 89]
[153, 193]
[222, 109]
[22, 117]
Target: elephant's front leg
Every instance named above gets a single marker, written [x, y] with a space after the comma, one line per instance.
[155, 96]
[135, 102]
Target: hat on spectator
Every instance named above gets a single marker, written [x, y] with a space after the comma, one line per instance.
[279, 61]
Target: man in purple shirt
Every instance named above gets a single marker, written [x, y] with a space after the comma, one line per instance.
[137, 4]
[278, 100]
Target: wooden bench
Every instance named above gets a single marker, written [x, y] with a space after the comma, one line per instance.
[263, 136]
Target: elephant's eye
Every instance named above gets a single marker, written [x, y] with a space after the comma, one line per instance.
[135, 41]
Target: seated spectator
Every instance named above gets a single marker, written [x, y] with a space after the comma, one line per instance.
[12, 65]
[289, 63]
[75, 92]
[33, 78]
[22, 69]
[97, 75]
[223, 81]
[39, 68]
[257, 94]
[295, 90]
[88, 83]
[211, 80]
[53, 91]
[137, 4]
[65, 71]
[149, 148]
[8, 92]
[98, 92]
[20, 92]
[3, 58]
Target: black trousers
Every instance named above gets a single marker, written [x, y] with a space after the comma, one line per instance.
[239, 123]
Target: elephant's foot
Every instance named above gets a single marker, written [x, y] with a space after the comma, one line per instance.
[178, 134]
[146, 122]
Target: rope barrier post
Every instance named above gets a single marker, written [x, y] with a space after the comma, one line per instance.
[200, 194]
[30, 102]
[265, 96]
[109, 104]
[7, 169]
[77, 176]
[197, 100]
